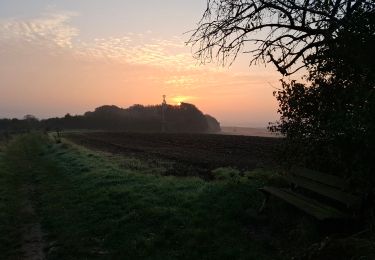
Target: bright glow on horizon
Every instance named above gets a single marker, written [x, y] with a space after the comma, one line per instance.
[54, 62]
[182, 99]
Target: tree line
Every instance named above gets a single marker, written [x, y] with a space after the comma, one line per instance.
[137, 118]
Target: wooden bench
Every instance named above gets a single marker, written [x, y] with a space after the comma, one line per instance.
[317, 194]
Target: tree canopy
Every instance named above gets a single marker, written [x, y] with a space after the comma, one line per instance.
[287, 33]
[328, 119]
[137, 118]
[329, 122]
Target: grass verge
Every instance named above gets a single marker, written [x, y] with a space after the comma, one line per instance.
[10, 203]
[90, 208]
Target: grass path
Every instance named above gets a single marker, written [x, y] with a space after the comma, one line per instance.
[32, 236]
[20, 221]
[90, 207]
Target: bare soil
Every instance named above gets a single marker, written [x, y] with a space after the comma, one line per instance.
[32, 240]
[191, 154]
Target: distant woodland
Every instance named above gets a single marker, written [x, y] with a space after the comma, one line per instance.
[137, 118]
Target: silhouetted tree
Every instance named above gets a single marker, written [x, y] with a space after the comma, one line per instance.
[213, 124]
[137, 118]
[287, 33]
[329, 119]
[330, 122]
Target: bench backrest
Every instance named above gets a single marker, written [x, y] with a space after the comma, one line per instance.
[319, 177]
[329, 186]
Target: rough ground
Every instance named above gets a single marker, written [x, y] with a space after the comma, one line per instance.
[83, 205]
[191, 154]
[21, 234]
[32, 236]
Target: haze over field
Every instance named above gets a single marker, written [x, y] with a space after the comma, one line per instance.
[59, 57]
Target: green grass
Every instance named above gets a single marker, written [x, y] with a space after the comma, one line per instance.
[14, 176]
[10, 233]
[92, 207]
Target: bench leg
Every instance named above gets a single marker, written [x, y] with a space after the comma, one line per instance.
[266, 198]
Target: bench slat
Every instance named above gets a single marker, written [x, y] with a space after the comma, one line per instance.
[349, 200]
[327, 179]
[310, 206]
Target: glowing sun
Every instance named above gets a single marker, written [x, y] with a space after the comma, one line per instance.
[179, 99]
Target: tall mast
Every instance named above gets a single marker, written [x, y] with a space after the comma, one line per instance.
[163, 109]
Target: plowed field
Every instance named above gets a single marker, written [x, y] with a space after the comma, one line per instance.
[190, 154]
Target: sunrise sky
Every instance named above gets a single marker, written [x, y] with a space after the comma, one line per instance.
[70, 56]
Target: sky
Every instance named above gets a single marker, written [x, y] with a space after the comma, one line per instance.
[71, 56]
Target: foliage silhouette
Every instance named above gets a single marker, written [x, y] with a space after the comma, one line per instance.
[137, 118]
[328, 120]
[286, 33]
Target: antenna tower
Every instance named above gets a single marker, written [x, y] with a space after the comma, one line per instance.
[163, 109]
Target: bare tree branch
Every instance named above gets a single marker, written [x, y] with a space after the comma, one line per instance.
[285, 31]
